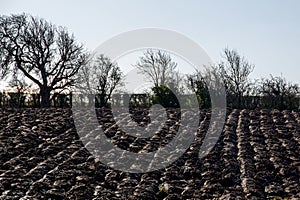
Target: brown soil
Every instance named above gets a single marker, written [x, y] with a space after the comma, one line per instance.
[256, 157]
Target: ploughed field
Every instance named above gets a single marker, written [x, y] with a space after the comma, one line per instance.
[257, 156]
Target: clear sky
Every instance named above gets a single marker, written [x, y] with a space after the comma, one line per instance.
[266, 32]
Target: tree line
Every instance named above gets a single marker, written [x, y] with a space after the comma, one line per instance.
[241, 91]
[36, 53]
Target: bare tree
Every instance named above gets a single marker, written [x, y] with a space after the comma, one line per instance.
[177, 81]
[100, 76]
[284, 95]
[235, 71]
[196, 82]
[161, 70]
[47, 55]
[157, 66]
[206, 84]
[20, 87]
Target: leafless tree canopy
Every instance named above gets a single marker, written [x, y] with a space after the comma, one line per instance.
[278, 86]
[157, 66]
[47, 55]
[283, 92]
[235, 71]
[18, 83]
[100, 77]
[206, 84]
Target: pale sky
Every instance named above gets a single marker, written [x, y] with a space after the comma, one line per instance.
[266, 32]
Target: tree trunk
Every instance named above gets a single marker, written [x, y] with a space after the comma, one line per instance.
[103, 102]
[239, 101]
[45, 96]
